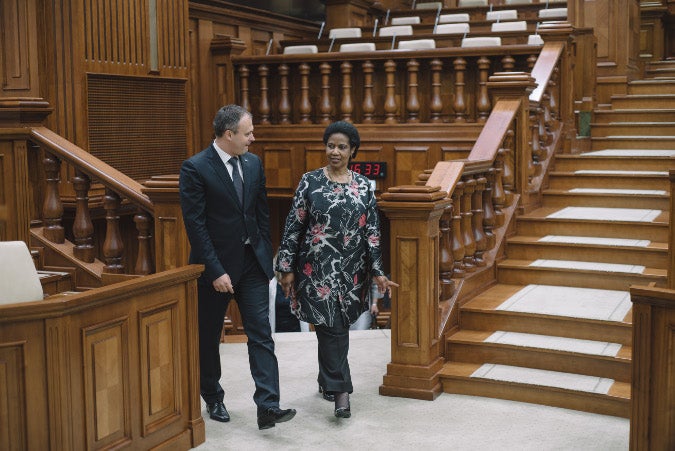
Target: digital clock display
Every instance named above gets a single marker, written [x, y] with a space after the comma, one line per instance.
[370, 169]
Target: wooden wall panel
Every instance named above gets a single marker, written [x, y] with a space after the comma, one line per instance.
[408, 250]
[13, 432]
[409, 162]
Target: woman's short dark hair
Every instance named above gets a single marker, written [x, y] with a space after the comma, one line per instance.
[228, 118]
[346, 129]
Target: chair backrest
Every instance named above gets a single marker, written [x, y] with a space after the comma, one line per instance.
[358, 47]
[429, 5]
[518, 25]
[482, 41]
[454, 18]
[535, 39]
[553, 13]
[417, 44]
[452, 28]
[339, 33]
[19, 280]
[300, 49]
[504, 14]
[398, 30]
[519, 2]
[463, 3]
[411, 20]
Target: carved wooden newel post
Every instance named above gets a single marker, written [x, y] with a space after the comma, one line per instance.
[414, 213]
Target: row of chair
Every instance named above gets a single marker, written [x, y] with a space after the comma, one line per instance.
[490, 16]
[416, 44]
[472, 3]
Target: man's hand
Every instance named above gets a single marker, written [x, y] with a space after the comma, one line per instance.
[223, 284]
[384, 284]
[287, 284]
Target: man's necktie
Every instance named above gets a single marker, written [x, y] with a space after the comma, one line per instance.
[237, 180]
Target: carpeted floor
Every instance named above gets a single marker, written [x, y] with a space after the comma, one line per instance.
[451, 422]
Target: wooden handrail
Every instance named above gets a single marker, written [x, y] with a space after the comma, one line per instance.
[544, 67]
[89, 164]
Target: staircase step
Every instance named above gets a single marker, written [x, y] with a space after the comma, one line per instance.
[634, 142]
[610, 198]
[588, 394]
[646, 101]
[578, 273]
[633, 129]
[587, 178]
[589, 357]
[561, 311]
[632, 115]
[597, 249]
[660, 73]
[651, 87]
[638, 161]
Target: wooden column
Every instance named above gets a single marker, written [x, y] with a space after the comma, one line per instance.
[652, 383]
[414, 213]
[222, 49]
[172, 247]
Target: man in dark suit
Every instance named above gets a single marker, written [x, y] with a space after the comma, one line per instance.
[224, 203]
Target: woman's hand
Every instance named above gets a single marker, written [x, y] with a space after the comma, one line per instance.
[287, 284]
[384, 284]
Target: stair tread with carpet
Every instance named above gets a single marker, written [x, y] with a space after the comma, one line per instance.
[632, 115]
[608, 197]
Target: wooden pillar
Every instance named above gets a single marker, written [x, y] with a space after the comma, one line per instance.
[172, 247]
[414, 213]
[652, 382]
[347, 13]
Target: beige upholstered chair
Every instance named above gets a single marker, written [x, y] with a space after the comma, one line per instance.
[429, 5]
[518, 2]
[411, 20]
[482, 41]
[535, 39]
[553, 13]
[504, 14]
[300, 49]
[339, 33]
[465, 3]
[454, 18]
[398, 30]
[358, 47]
[452, 28]
[19, 280]
[417, 44]
[518, 25]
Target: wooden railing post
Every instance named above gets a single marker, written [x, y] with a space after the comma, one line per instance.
[414, 213]
[671, 240]
[172, 248]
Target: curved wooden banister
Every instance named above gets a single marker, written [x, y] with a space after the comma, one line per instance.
[89, 164]
[494, 131]
[544, 67]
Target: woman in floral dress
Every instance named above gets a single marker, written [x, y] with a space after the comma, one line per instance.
[329, 254]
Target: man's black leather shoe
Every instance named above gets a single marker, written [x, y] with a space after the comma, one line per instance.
[218, 412]
[273, 415]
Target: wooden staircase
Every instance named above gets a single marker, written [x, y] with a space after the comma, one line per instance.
[603, 226]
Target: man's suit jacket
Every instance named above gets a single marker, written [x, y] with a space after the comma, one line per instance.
[217, 225]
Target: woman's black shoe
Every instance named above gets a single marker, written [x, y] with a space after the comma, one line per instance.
[327, 396]
[342, 407]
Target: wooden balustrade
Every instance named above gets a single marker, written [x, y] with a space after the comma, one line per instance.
[376, 87]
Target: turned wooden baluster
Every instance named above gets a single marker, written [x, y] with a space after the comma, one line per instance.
[545, 128]
[284, 104]
[413, 104]
[264, 110]
[144, 260]
[390, 106]
[52, 207]
[489, 218]
[477, 219]
[533, 167]
[553, 93]
[498, 192]
[83, 229]
[368, 105]
[244, 89]
[305, 104]
[346, 107]
[467, 232]
[325, 106]
[447, 262]
[483, 101]
[436, 102]
[460, 104]
[508, 63]
[113, 247]
[457, 240]
[508, 177]
[531, 60]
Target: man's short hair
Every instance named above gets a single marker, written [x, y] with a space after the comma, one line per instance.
[228, 118]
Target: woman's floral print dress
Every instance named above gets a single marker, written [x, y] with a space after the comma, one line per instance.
[332, 243]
